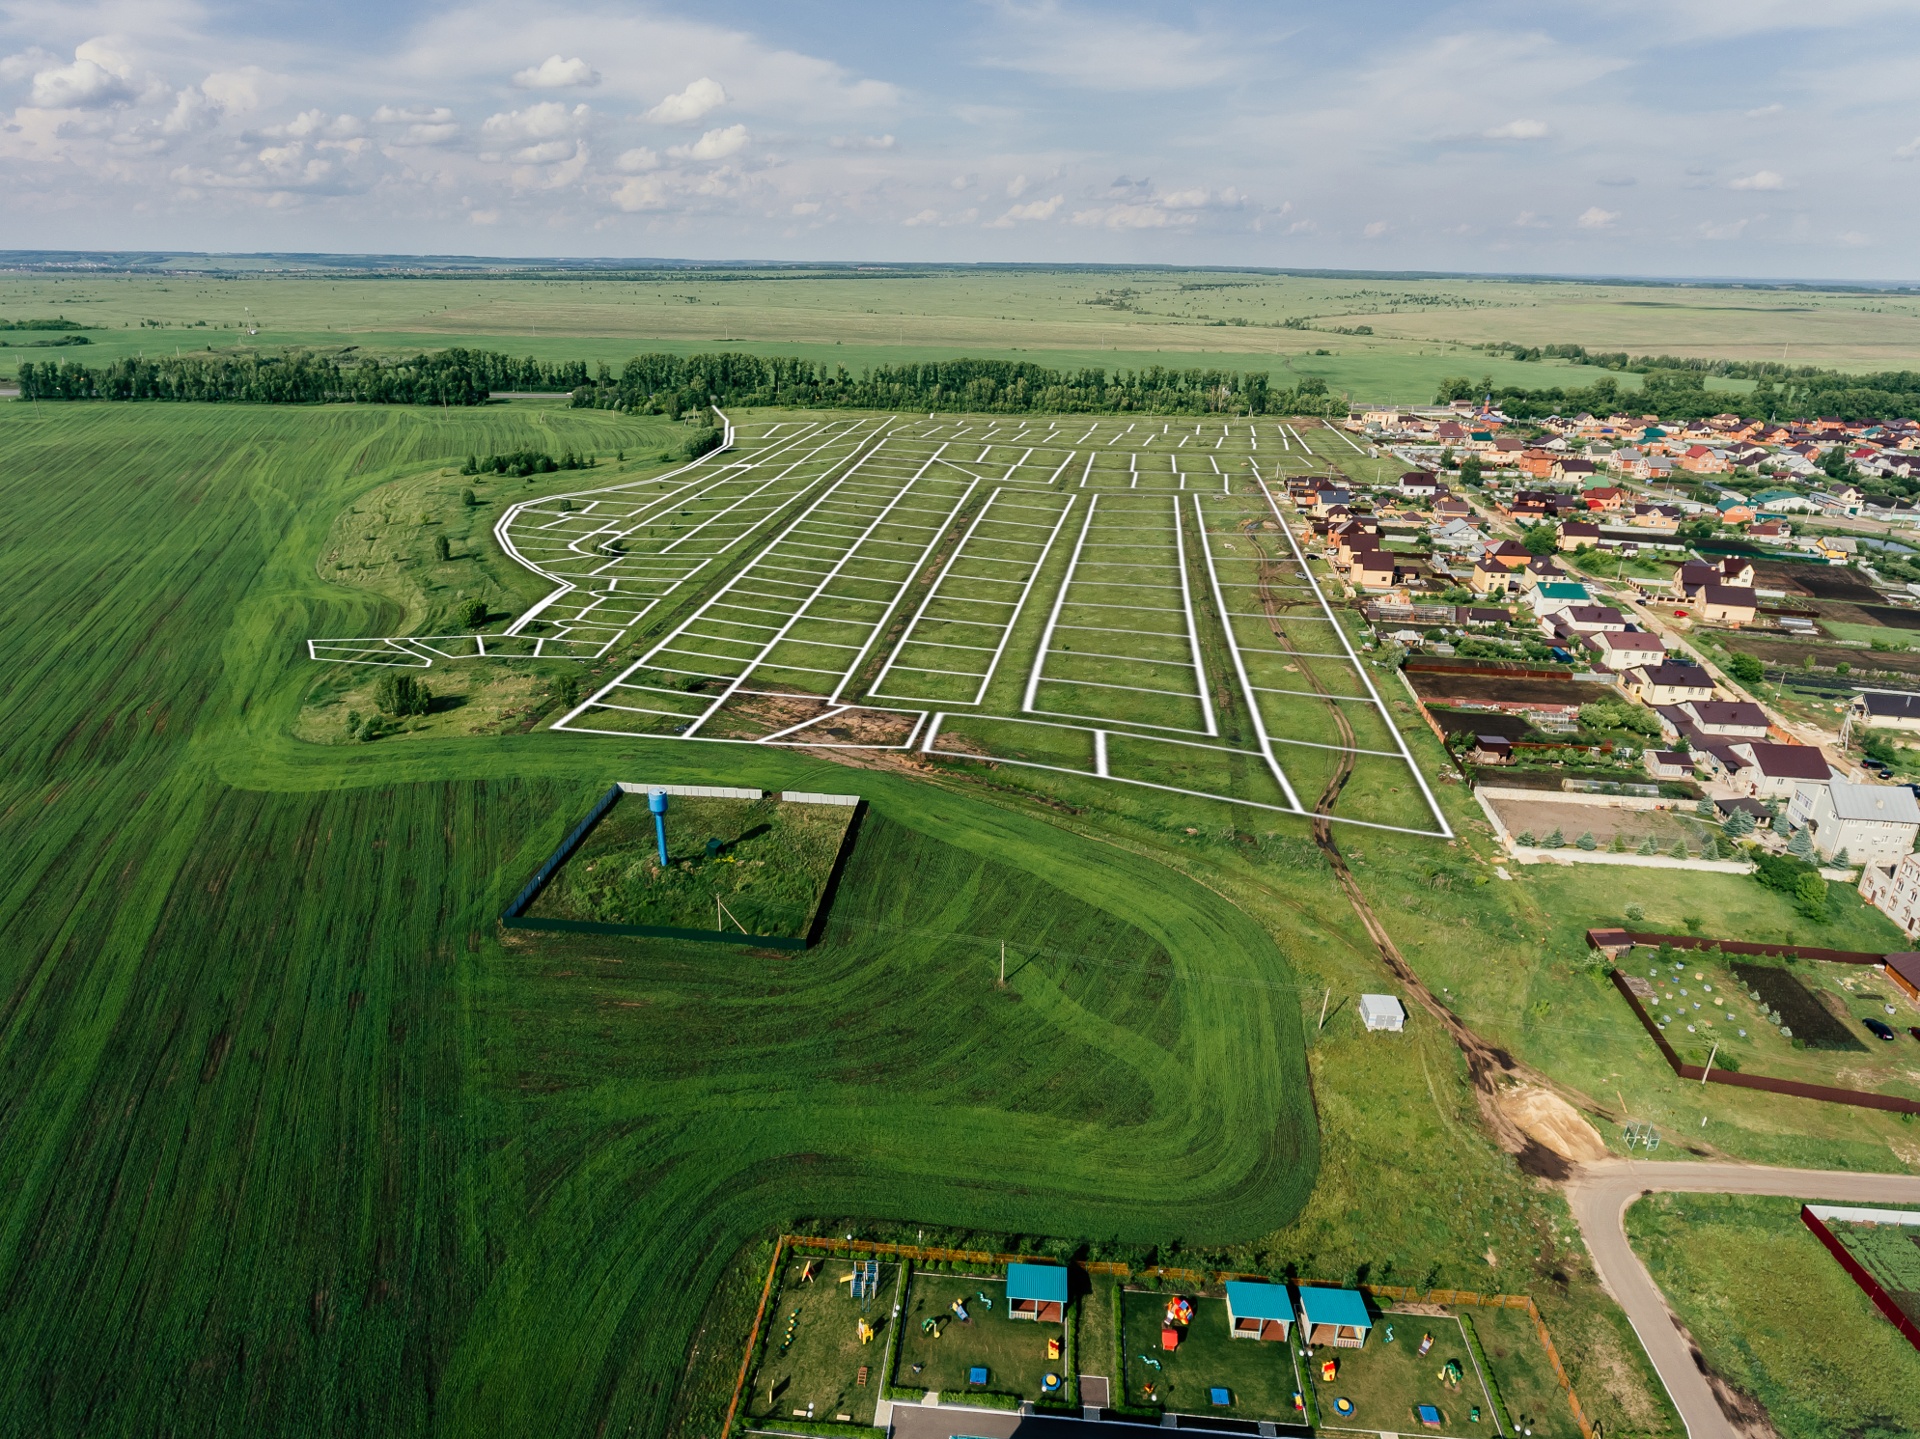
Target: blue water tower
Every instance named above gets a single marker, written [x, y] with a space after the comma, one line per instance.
[657, 802]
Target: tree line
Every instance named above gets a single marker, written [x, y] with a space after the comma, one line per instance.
[1675, 387]
[677, 384]
[445, 377]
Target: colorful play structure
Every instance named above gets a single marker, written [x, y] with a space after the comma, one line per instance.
[1429, 1416]
[865, 1331]
[1050, 1383]
[960, 1312]
[1053, 1348]
[1343, 1406]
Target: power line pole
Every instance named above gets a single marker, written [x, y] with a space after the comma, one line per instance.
[1324, 1000]
[1003, 964]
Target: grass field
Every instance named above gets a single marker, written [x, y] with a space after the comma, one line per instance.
[1260, 1378]
[1775, 1315]
[1067, 318]
[770, 869]
[1386, 1380]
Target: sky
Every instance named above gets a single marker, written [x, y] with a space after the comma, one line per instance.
[1755, 138]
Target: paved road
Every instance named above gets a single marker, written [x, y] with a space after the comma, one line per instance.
[1600, 1194]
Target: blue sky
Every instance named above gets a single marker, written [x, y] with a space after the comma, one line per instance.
[1699, 137]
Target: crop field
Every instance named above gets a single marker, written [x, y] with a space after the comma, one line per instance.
[297, 1143]
[1890, 1252]
[1118, 601]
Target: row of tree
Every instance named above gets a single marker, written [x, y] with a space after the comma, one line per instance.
[1675, 388]
[676, 384]
[446, 377]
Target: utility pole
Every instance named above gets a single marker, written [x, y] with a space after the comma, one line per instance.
[1324, 1000]
[1709, 1069]
[1003, 964]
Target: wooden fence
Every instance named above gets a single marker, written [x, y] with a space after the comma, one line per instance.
[1195, 1277]
[1605, 938]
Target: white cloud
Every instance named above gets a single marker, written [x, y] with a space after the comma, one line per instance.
[241, 91]
[925, 217]
[14, 68]
[1032, 210]
[1104, 50]
[548, 120]
[484, 217]
[1016, 187]
[637, 161]
[806, 207]
[554, 73]
[83, 85]
[861, 142]
[1595, 218]
[698, 99]
[1764, 111]
[1376, 229]
[714, 145]
[1132, 217]
[1517, 130]
[1759, 180]
[1908, 151]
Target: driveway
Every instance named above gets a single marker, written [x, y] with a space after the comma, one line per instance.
[1600, 1193]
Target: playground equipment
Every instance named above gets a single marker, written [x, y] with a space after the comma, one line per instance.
[1429, 1416]
[1389, 1334]
[1179, 1311]
[931, 1324]
[793, 1323]
[977, 1375]
[808, 1270]
[981, 1295]
[1328, 1368]
[1169, 1338]
[1450, 1374]
[1050, 1383]
[1155, 1363]
[1219, 1398]
[865, 1330]
[1343, 1406]
[1473, 1413]
[1299, 1402]
[1053, 1349]
[1426, 1343]
[960, 1312]
[657, 802]
[866, 1281]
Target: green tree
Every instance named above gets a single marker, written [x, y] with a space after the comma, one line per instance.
[1878, 747]
[441, 549]
[1541, 540]
[1836, 466]
[467, 499]
[1801, 845]
[1746, 668]
[1587, 842]
[402, 695]
[1810, 896]
[1740, 824]
[1470, 470]
[473, 614]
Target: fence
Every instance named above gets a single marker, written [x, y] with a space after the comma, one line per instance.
[1882, 1300]
[1827, 1094]
[531, 892]
[1738, 946]
[1195, 1277]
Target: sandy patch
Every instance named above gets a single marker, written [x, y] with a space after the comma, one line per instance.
[1548, 1119]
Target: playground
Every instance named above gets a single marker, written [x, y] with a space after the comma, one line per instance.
[752, 866]
[822, 1353]
[1521, 1373]
[1260, 1377]
[1385, 1384]
[945, 1355]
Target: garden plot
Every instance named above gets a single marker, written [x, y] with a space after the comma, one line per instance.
[1119, 600]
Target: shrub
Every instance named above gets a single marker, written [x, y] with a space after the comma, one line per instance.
[1647, 846]
[1810, 896]
[402, 695]
[1740, 824]
[473, 614]
[1635, 914]
[1587, 841]
[441, 549]
[1746, 668]
[1556, 840]
[1779, 872]
[467, 499]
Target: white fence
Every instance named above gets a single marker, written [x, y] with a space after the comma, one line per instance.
[692, 791]
[797, 796]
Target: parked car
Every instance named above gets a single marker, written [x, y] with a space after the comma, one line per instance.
[1880, 1030]
[1914, 1030]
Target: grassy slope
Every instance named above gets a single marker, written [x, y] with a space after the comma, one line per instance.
[1778, 1317]
[291, 1126]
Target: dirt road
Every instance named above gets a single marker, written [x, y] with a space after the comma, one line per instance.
[1600, 1193]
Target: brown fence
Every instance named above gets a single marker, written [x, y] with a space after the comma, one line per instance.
[1826, 1093]
[1738, 946]
[1195, 1277]
[1882, 1300]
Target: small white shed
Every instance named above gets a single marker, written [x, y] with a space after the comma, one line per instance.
[1382, 1011]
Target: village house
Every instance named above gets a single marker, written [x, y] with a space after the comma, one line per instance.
[1627, 651]
[1549, 597]
[1878, 709]
[1871, 823]
[1668, 763]
[1731, 605]
[1606, 498]
[1715, 720]
[1661, 686]
[1777, 771]
[1575, 533]
[1588, 620]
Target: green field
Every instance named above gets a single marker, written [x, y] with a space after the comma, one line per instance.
[1422, 329]
[1012, 1351]
[1777, 1317]
[769, 872]
[379, 1171]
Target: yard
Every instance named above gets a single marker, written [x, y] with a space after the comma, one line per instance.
[813, 1364]
[1387, 1378]
[1526, 1381]
[1704, 1003]
[1541, 818]
[1012, 1351]
[1260, 1377]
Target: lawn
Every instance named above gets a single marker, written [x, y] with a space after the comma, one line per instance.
[811, 1353]
[1521, 1372]
[1013, 1351]
[1777, 1317]
[765, 862]
[1260, 1377]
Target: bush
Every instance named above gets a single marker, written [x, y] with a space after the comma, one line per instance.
[1780, 873]
[1746, 668]
[441, 549]
[1810, 896]
[402, 695]
[1587, 842]
[473, 614]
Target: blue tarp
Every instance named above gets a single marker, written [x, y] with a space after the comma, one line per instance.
[1043, 1283]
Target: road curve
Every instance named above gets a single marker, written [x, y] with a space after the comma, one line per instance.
[1600, 1193]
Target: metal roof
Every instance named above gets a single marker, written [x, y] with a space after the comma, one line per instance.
[1888, 803]
[1046, 1283]
[1344, 1307]
[1247, 1300]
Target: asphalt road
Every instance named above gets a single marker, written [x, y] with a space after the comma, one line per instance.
[1600, 1194]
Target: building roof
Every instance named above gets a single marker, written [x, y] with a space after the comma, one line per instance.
[1886, 803]
[1885, 706]
[1732, 596]
[1248, 1300]
[1793, 761]
[1677, 758]
[1738, 714]
[1593, 615]
[1334, 1306]
[1385, 1006]
[1634, 640]
[1906, 964]
[1046, 1283]
[1676, 676]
